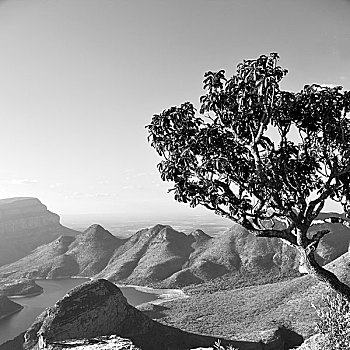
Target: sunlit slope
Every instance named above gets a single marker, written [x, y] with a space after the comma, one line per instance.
[165, 257]
[83, 255]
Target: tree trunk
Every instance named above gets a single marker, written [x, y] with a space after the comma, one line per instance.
[324, 275]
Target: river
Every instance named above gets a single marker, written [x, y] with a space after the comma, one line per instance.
[13, 325]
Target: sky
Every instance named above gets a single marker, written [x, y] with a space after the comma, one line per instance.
[80, 79]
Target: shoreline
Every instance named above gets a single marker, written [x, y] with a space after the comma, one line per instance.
[15, 296]
[24, 295]
[164, 294]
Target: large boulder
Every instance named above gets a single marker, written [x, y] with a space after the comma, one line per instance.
[98, 308]
[89, 310]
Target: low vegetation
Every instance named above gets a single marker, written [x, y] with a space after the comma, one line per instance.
[334, 322]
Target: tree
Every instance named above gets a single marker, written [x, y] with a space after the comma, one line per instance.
[259, 155]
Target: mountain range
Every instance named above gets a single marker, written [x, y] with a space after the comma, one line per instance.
[211, 267]
[163, 257]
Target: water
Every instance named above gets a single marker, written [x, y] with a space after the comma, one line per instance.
[13, 325]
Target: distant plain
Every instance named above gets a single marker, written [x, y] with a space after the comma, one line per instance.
[127, 226]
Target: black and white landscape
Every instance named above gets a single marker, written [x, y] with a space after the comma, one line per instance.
[225, 277]
[174, 175]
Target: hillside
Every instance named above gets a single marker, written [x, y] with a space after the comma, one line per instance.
[163, 257]
[246, 312]
[151, 255]
[25, 223]
[20, 288]
[83, 255]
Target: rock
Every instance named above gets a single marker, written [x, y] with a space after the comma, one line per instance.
[98, 308]
[8, 307]
[25, 223]
[89, 310]
[112, 342]
[20, 288]
[312, 343]
[272, 339]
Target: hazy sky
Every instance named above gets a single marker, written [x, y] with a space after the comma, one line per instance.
[79, 80]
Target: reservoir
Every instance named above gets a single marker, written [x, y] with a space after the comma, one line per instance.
[13, 325]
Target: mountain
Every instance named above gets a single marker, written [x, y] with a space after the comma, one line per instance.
[83, 255]
[151, 255]
[25, 223]
[163, 257]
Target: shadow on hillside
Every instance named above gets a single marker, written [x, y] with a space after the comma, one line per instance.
[170, 338]
[154, 312]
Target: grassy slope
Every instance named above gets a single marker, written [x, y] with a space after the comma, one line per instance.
[243, 313]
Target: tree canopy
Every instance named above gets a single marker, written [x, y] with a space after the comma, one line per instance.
[255, 153]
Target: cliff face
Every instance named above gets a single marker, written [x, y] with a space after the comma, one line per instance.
[25, 223]
[23, 213]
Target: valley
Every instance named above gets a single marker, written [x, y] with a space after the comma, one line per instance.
[237, 286]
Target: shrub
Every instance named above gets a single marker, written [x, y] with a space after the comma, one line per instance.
[334, 322]
[218, 346]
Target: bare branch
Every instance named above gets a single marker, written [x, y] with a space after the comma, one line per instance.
[285, 234]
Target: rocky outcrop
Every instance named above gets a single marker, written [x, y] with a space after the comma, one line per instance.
[98, 308]
[25, 223]
[315, 342]
[92, 309]
[23, 213]
[96, 315]
[8, 307]
[112, 342]
[20, 288]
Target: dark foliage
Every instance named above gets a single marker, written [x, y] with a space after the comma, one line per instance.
[257, 154]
